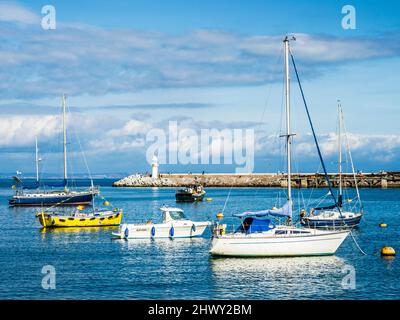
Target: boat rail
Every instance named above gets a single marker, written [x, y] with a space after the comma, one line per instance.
[226, 229]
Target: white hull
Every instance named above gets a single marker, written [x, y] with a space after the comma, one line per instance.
[268, 244]
[181, 229]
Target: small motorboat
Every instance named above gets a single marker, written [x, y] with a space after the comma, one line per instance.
[190, 194]
[99, 218]
[78, 217]
[174, 225]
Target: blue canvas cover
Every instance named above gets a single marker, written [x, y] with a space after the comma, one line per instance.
[285, 211]
[253, 225]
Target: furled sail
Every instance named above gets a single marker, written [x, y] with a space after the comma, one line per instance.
[333, 206]
[285, 211]
[49, 183]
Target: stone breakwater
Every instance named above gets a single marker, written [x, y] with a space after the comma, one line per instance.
[303, 180]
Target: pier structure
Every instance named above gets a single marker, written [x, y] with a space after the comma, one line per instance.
[272, 180]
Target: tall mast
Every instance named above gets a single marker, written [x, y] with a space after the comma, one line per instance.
[37, 159]
[288, 134]
[64, 120]
[340, 149]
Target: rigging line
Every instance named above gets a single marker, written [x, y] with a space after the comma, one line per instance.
[279, 56]
[227, 198]
[352, 165]
[83, 155]
[270, 89]
[314, 135]
[277, 144]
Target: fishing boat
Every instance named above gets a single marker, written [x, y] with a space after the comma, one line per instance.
[42, 194]
[337, 215]
[80, 217]
[257, 235]
[190, 194]
[174, 225]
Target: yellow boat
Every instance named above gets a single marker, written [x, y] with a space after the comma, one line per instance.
[80, 219]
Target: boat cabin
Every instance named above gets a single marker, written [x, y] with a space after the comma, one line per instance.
[254, 225]
[170, 214]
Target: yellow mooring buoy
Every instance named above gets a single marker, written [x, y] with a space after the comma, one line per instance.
[383, 225]
[209, 199]
[388, 251]
[220, 215]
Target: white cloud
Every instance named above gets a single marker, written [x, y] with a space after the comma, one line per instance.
[12, 12]
[102, 61]
[19, 131]
[130, 128]
[111, 139]
[373, 147]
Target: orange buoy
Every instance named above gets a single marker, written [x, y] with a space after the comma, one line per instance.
[220, 215]
[388, 251]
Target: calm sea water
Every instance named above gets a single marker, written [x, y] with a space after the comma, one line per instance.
[90, 265]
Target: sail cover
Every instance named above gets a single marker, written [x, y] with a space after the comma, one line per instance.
[27, 184]
[285, 211]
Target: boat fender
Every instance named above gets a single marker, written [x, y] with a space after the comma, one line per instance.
[171, 232]
[193, 227]
[153, 231]
[126, 232]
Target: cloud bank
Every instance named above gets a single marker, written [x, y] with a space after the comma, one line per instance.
[82, 59]
[103, 137]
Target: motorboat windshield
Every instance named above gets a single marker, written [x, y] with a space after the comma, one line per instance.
[177, 215]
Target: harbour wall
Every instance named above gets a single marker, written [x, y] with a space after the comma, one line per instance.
[272, 180]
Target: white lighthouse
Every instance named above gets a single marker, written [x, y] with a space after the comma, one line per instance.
[154, 168]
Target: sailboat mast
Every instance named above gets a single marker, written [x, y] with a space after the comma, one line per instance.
[287, 108]
[37, 159]
[340, 150]
[65, 137]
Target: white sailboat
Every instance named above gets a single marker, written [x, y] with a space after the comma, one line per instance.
[259, 237]
[336, 215]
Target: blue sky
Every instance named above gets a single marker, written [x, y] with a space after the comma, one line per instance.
[130, 66]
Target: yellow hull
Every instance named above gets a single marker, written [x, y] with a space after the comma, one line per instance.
[57, 221]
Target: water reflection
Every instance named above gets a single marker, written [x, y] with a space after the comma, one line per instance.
[73, 233]
[277, 278]
[172, 267]
[165, 247]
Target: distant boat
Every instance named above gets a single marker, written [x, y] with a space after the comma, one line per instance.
[336, 215]
[174, 225]
[190, 194]
[257, 236]
[38, 196]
